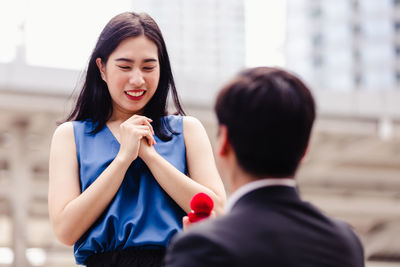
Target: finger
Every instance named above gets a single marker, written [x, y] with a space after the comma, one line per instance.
[144, 132]
[148, 133]
[138, 119]
[213, 215]
[150, 138]
[147, 123]
[185, 223]
[140, 130]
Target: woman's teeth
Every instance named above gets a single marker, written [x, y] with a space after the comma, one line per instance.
[135, 93]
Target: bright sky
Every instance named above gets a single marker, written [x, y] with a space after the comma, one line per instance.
[72, 41]
[57, 38]
[265, 32]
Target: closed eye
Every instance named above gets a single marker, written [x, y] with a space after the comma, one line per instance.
[124, 67]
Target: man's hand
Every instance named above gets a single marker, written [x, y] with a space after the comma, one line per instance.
[186, 223]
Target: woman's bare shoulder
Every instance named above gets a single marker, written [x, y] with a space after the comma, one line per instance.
[64, 131]
[191, 122]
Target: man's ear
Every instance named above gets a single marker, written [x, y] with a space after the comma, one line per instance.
[224, 146]
[304, 158]
[101, 67]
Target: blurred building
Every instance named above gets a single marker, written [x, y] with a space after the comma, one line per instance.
[206, 41]
[351, 43]
[348, 51]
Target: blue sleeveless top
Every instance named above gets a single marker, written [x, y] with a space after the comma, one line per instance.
[142, 214]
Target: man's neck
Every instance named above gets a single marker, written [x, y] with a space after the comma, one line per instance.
[237, 183]
[241, 178]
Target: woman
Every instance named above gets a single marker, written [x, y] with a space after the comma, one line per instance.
[122, 172]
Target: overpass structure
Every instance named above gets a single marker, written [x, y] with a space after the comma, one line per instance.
[352, 172]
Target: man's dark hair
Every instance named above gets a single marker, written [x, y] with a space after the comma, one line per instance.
[269, 115]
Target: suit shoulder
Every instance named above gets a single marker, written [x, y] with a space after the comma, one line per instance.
[346, 230]
[197, 247]
[207, 230]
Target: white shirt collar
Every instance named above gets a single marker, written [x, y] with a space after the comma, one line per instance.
[243, 190]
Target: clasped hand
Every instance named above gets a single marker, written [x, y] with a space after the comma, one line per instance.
[136, 138]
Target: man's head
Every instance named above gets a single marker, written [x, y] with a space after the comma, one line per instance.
[265, 117]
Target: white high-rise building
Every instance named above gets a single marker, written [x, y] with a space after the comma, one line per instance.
[345, 45]
[205, 40]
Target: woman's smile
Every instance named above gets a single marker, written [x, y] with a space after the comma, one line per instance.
[135, 94]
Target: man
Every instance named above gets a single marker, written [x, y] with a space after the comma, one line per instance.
[265, 118]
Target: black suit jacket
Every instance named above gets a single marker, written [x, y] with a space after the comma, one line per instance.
[270, 226]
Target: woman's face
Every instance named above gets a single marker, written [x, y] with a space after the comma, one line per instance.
[132, 73]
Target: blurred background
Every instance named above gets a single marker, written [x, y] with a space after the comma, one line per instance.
[347, 51]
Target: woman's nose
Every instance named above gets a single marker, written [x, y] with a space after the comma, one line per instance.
[136, 78]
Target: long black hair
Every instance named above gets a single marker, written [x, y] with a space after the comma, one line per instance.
[94, 101]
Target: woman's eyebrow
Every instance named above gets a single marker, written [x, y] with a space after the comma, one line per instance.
[132, 61]
[150, 60]
[125, 59]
